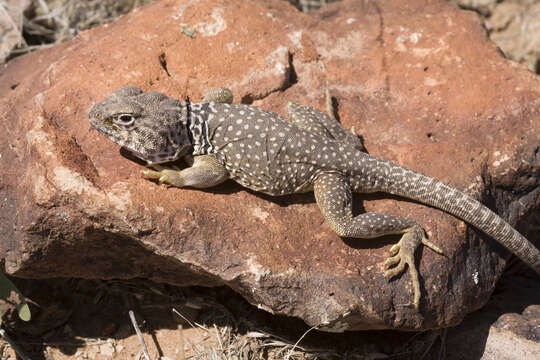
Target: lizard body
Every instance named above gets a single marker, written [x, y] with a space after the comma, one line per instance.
[310, 152]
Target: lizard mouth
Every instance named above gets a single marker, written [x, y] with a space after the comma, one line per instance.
[112, 135]
[99, 126]
[146, 155]
[108, 131]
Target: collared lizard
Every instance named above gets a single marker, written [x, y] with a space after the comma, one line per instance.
[310, 152]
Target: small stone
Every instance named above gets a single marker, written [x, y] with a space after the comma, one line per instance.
[106, 349]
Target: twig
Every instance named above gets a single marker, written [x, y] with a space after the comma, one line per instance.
[194, 325]
[139, 335]
[181, 344]
[14, 345]
[218, 336]
[298, 342]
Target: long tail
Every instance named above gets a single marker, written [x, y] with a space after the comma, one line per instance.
[400, 181]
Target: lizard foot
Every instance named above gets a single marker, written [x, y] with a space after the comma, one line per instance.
[402, 254]
[165, 175]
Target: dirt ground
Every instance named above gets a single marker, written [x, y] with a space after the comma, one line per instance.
[89, 319]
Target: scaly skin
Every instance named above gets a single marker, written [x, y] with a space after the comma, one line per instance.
[310, 152]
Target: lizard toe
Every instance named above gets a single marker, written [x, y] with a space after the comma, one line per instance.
[432, 246]
[151, 174]
[391, 261]
[394, 250]
[394, 271]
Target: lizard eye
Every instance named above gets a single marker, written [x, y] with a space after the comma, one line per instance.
[125, 119]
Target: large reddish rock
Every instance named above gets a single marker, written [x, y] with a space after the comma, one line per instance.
[418, 79]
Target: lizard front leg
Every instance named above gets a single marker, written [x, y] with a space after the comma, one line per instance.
[334, 197]
[205, 172]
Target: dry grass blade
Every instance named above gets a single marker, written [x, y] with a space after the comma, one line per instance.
[11, 23]
[139, 335]
[46, 22]
[20, 352]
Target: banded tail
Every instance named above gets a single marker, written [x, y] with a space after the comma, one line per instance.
[397, 180]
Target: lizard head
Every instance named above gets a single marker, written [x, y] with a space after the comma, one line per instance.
[150, 125]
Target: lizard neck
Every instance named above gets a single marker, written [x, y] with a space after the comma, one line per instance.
[198, 116]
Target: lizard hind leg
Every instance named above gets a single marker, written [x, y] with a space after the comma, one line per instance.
[334, 197]
[322, 124]
[219, 95]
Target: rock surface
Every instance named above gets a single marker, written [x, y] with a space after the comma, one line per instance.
[419, 81]
[506, 328]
